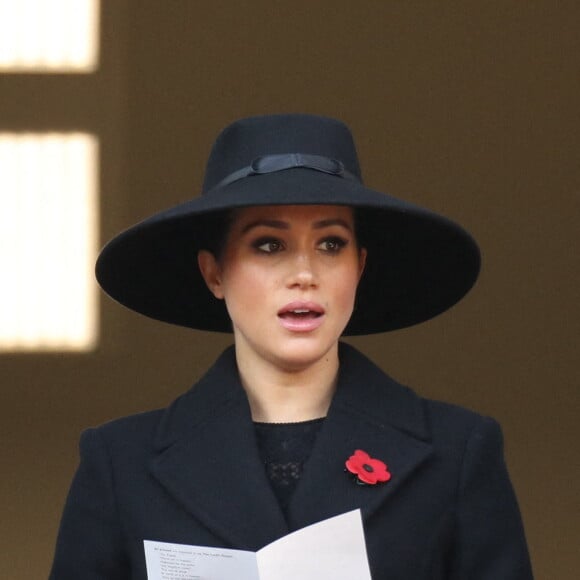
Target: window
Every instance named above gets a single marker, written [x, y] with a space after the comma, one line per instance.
[48, 231]
[48, 35]
[48, 177]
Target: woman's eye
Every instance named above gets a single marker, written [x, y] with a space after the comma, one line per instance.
[268, 246]
[332, 245]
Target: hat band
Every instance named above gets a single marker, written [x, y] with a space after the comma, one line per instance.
[274, 163]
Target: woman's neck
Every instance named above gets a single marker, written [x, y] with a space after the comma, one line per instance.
[282, 395]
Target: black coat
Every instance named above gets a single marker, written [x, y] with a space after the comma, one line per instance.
[192, 474]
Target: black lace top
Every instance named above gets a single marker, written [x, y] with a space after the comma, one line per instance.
[284, 449]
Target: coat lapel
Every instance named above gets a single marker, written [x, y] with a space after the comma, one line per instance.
[369, 412]
[208, 460]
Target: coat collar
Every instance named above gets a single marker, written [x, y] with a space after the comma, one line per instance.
[207, 456]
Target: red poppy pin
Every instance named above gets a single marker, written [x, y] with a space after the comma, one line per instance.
[368, 471]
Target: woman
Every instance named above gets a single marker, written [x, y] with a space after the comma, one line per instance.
[290, 426]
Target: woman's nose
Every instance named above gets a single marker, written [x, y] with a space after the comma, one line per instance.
[302, 272]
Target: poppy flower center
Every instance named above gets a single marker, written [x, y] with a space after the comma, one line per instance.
[368, 468]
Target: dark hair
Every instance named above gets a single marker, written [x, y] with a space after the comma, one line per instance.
[215, 231]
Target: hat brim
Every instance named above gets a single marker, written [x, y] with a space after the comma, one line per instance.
[418, 264]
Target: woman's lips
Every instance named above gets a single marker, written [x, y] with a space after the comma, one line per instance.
[301, 316]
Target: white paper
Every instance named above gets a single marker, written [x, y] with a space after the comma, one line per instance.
[334, 548]
[182, 562]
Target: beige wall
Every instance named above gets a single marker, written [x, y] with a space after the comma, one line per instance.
[469, 108]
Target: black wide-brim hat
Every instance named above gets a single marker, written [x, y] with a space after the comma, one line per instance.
[418, 263]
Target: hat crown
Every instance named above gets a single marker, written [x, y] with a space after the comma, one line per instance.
[244, 141]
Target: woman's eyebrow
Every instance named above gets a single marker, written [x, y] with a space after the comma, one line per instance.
[282, 225]
[268, 223]
[332, 222]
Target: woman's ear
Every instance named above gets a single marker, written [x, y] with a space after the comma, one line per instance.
[211, 273]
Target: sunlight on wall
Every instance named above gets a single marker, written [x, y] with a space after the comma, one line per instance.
[48, 241]
[49, 35]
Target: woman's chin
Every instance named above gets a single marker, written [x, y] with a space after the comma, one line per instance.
[302, 354]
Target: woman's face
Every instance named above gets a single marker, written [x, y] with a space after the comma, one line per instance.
[288, 275]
